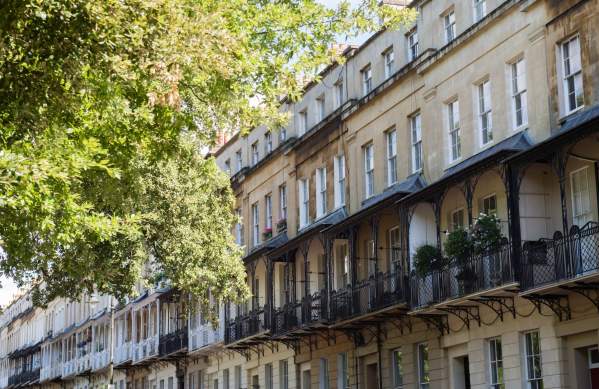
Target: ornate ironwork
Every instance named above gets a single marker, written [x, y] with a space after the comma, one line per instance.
[174, 342]
[375, 293]
[565, 257]
[559, 304]
[488, 270]
[244, 326]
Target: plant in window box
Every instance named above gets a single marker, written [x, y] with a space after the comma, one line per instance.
[267, 233]
[282, 225]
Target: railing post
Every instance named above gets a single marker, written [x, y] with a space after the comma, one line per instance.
[512, 181]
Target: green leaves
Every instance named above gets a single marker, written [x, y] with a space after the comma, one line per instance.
[104, 106]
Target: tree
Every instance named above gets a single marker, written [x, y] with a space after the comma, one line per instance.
[104, 108]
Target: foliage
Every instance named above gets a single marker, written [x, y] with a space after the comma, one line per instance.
[459, 245]
[486, 233]
[104, 106]
[427, 258]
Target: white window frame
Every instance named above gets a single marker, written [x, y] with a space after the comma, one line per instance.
[228, 166]
[323, 373]
[342, 371]
[397, 368]
[366, 79]
[283, 202]
[339, 178]
[571, 74]
[267, 142]
[449, 26]
[455, 226]
[389, 61]
[239, 160]
[282, 134]
[532, 357]
[304, 201]
[416, 137]
[283, 374]
[412, 39]
[339, 93]
[423, 376]
[486, 198]
[519, 102]
[238, 228]
[479, 8]
[255, 224]
[268, 376]
[391, 140]
[321, 192]
[320, 107]
[268, 211]
[496, 379]
[453, 124]
[580, 218]
[303, 122]
[368, 153]
[255, 153]
[485, 112]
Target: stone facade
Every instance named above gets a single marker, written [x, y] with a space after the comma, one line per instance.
[483, 107]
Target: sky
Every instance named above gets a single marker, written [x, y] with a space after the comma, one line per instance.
[8, 288]
[7, 291]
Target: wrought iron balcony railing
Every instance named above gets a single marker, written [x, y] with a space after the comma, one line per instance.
[245, 326]
[565, 257]
[205, 335]
[145, 348]
[122, 353]
[173, 342]
[479, 273]
[24, 377]
[373, 294]
[294, 315]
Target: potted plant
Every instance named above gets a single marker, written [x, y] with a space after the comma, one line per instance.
[282, 225]
[486, 234]
[427, 258]
[267, 233]
[459, 248]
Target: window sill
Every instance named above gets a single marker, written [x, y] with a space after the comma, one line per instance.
[454, 162]
[566, 116]
[522, 127]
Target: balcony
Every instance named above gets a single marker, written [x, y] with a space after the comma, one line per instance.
[52, 372]
[479, 274]
[246, 328]
[69, 368]
[84, 364]
[27, 377]
[298, 317]
[145, 349]
[100, 360]
[122, 353]
[570, 259]
[174, 342]
[205, 336]
[367, 297]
